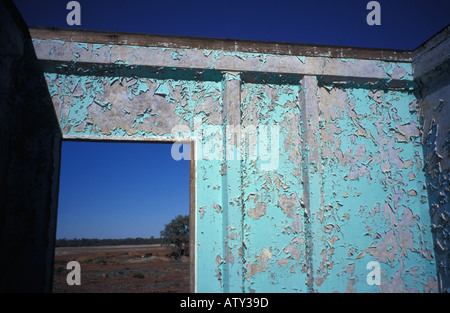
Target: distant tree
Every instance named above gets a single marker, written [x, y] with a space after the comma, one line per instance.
[176, 235]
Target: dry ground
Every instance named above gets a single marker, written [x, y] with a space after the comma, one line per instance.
[122, 269]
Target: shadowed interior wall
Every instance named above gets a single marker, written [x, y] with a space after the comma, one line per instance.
[29, 165]
[432, 71]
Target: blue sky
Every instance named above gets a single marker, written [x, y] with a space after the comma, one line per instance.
[405, 24]
[119, 190]
[114, 190]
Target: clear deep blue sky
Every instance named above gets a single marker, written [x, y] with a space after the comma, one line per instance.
[112, 190]
[119, 190]
[405, 24]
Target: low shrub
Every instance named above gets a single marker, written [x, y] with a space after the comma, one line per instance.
[138, 275]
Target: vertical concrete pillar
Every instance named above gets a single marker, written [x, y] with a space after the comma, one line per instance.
[309, 113]
[232, 186]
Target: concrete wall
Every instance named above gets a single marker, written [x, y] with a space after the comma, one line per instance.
[340, 185]
[29, 165]
[432, 70]
[309, 160]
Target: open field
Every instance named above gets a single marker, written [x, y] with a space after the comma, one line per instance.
[140, 268]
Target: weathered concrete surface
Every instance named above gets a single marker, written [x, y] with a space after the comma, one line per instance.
[309, 163]
[367, 184]
[432, 70]
[29, 165]
[199, 43]
[275, 258]
[345, 187]
[219, 60]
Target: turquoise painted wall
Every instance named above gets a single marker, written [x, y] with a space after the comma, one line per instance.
[332, 181]
[368, 196]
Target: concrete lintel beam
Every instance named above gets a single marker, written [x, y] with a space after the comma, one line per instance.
[220, 60]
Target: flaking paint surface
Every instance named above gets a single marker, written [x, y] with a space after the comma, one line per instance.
[368, 198]
[219, 60]
[432, 70]
[275, 261]
[348, 187]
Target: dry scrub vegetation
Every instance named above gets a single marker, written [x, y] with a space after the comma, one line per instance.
[141, 268]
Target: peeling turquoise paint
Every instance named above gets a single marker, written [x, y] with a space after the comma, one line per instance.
[82, 45]
[356, 193]
[347, 60]
[275, 262]
[345, 186]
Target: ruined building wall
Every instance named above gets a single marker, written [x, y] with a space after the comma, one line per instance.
[432, 71]
[336, 182]
[29, 165]
[344, 187]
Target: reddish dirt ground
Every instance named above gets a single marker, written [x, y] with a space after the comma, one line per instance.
[122, 269]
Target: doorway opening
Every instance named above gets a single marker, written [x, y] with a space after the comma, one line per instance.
[121, 204]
